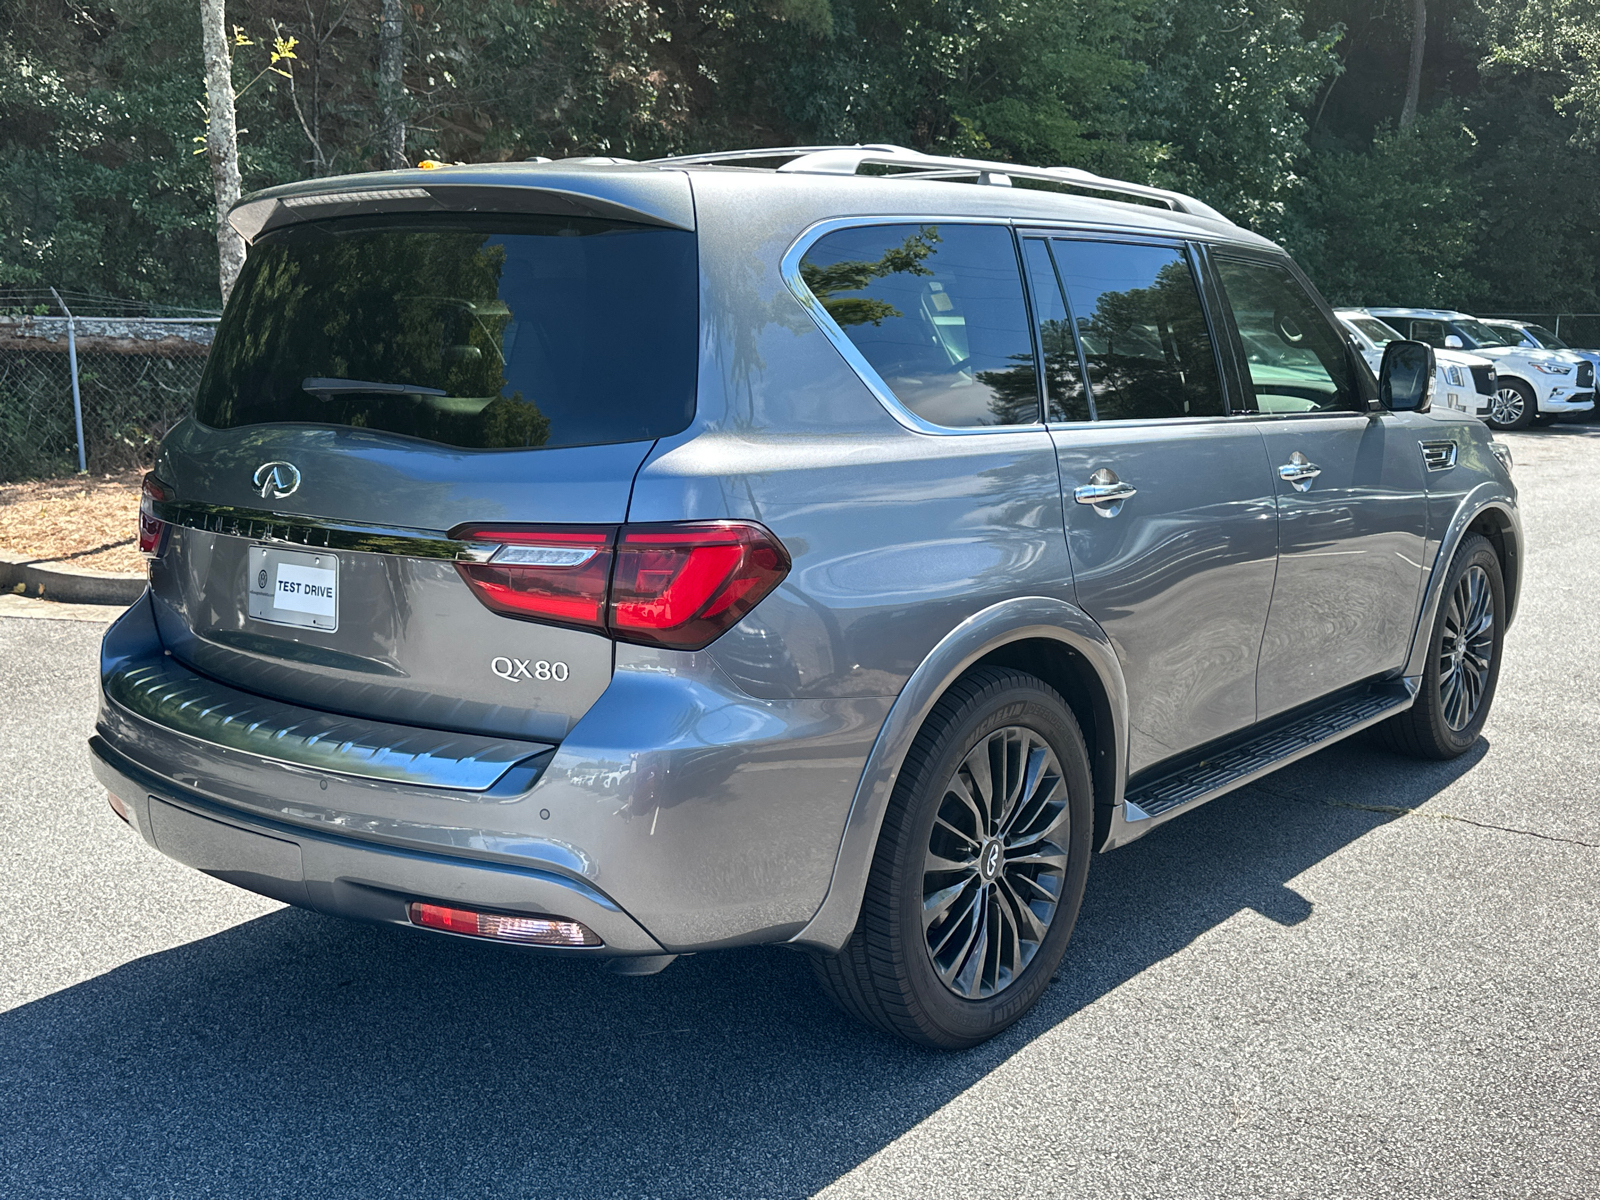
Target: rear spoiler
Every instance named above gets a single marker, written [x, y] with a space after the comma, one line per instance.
[643, 195]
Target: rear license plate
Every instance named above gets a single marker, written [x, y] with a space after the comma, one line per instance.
[288, 587]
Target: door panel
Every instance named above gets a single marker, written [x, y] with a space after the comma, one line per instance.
[1352, 501]
[1179, 573]
[1181, 577]
[1350, 554]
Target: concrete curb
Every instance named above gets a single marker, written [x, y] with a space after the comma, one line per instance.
[72, 587]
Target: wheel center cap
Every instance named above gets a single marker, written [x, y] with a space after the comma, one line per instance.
[989, 859]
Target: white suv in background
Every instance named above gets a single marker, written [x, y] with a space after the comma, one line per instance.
[1526, 333]
[1533, 384]
[1466, 383]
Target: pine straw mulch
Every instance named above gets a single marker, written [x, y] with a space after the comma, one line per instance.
[82, 521]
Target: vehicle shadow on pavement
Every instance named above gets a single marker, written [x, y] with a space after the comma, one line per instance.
[300, 1055]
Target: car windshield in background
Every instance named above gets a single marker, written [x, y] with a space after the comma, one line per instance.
[482, 331]
[1377, 332]
[1482, 335]
[1544, 337]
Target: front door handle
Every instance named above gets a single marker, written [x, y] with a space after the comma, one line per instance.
[1299, 471]
[1105, 492]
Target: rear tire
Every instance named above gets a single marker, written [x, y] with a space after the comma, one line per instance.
[1514, 406]
[1463, 666]
[969, 905]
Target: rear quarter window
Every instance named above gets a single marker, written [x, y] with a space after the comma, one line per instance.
[938, 311]
[478, 331]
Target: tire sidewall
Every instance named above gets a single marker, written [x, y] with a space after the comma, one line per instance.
[1476, 553]
[967, 1022]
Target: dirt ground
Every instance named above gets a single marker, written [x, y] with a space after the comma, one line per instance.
[81, 521]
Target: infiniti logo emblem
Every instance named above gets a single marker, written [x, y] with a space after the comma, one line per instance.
[989, 864]
[275, 480]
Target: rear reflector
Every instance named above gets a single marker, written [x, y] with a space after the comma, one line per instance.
[118, 807]
[681, 586]
[531, 931]
[150, 527]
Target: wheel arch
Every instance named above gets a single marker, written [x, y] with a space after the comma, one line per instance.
[1488, 511]
[1045, 637]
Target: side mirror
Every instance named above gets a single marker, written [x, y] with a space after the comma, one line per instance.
[1405, 381]
[1452, 342]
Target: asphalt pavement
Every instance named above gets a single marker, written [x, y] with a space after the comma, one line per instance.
[1363, 977]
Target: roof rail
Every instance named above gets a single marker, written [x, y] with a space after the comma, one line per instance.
[913, 164]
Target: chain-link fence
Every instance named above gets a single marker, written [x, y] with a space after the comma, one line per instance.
[136, 377]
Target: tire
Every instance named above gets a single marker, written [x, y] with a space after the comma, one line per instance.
[992, 720]
[1514, 406]
[1456, 693]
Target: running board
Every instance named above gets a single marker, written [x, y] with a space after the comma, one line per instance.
[1149, 804]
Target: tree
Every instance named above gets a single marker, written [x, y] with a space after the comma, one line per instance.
[222, 138]
[1419, 43]
[391, 87]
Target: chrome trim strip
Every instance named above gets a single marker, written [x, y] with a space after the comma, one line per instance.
[296, 530]
[174, 698]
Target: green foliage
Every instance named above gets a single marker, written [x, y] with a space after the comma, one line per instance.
[1391, 225]
[1279, 114]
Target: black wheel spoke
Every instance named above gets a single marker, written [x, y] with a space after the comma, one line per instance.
[1466, 648]
[995, 865]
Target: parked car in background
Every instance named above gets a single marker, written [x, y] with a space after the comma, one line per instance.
[626, 560]
[1525, 333]
[1533, 383]
[1464, 382]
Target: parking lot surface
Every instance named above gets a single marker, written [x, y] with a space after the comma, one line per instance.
[1365, 976]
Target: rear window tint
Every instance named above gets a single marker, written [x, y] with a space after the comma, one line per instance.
[488, 332]
[938, 312]
[1143, 332]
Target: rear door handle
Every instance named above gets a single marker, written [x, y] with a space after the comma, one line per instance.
[1299, 471]
[1105, 492]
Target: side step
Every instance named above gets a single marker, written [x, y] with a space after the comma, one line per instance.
[1243, 762]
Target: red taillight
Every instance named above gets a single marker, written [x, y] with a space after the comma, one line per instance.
[684, 585]
[531, 931]
[151, 527]
[679, 586]
[554, 575]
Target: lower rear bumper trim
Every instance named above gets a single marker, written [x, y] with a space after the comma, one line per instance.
[343, 876]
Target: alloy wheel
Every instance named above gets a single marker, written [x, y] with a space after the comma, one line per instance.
[996, 862]
[1466, 648]
[1506, 407]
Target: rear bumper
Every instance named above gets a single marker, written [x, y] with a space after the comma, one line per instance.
[345, 876]
[679, 814]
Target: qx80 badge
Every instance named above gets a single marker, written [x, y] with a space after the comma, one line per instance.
[515, 670]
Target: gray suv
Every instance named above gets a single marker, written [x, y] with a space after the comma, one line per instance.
[819, 547]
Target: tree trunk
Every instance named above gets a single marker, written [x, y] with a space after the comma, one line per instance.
[222, 138]
[391, 87]
[1419, 41]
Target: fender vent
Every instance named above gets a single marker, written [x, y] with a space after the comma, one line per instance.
[1440, 456]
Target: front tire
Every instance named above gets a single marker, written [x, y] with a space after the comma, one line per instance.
[1458, 684]
[1514, 406]
[979, 870]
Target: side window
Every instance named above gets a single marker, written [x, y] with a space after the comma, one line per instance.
[1297, 360]
[938, 311]
[1432, 332]
[1065, 397]
[1137, 312]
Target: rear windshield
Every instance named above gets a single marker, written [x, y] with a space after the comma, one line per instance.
[481, 331]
